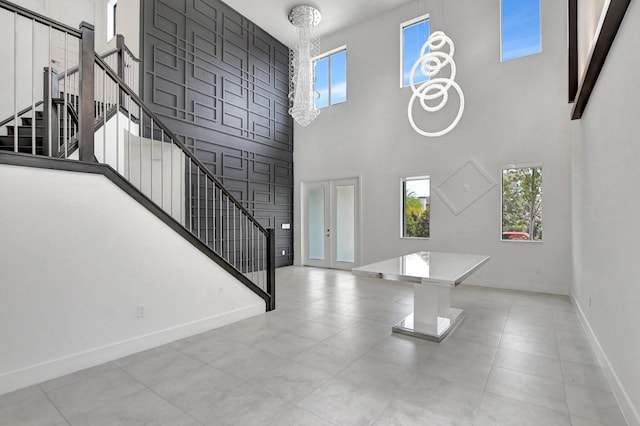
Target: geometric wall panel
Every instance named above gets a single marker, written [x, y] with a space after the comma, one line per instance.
[220, 83]
[465, 186]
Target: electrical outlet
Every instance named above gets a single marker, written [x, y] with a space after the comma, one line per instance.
[284, 252]
[589, 301]
[141, 311]
[286, 226]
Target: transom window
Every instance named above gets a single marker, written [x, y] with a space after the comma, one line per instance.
[519, 28]
[413, 35]
[112, 14]
[331, 78]
[416, 206]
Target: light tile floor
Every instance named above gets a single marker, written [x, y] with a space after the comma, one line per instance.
[327, 356]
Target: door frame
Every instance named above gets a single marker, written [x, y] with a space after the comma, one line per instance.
[330, 214]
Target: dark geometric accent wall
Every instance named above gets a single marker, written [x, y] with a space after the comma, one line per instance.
[220, 83]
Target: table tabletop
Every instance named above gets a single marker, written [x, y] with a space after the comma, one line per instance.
[427, 267]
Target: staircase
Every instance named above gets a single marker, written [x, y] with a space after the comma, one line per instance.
[34, 124]
[25, 132]
[96, 117]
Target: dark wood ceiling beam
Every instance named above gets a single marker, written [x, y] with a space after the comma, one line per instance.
[608, 29]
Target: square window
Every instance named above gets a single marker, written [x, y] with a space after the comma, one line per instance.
[330, 78]
[416, 207]
[413, 35]
[522, 203]
[519, 28]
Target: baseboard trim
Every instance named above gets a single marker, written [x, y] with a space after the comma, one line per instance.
[529, 287]
[48, 370]
[629, 411]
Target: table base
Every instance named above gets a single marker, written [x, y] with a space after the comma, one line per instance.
[427, 331]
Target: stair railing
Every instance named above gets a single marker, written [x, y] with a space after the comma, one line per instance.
[116, 128]
[135, 142]
[34, 43]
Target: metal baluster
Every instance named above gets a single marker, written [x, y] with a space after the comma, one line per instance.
[47, 105]
[64, 93]
[240, 239]
[15, 82]
[117, 87]
[141, 137]
[104, 116]
[190, 199]
[128, 139]
[171, 173]
[264, 251]
[206, 214]
[95, 104]
[198, 203]
[246, 244]
[228, 236]
[162, 173]
[33, 87]
[235, 249]
[151, 160]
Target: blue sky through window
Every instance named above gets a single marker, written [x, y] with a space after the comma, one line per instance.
[413, 37]
[321, 85]
[331, 79]
[520, 23]
[339, 77]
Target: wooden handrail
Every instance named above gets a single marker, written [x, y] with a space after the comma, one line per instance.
[39, 18]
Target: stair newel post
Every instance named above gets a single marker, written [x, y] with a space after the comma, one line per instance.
[271, 268]
[50, 119]
[87, 76]
[121, 64]
[120, 48]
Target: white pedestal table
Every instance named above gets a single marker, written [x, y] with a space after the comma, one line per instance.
[433, 275]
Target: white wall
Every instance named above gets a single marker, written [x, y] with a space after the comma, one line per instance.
[606, 203]
[516, 112]
[159, 173]
[127, 24]
[77, 256]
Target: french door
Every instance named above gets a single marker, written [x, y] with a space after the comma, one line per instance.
[331, 214]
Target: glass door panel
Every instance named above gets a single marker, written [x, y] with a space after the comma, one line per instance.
[345, 223]
[315, 219]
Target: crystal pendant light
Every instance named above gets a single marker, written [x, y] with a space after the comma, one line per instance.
[301, 93]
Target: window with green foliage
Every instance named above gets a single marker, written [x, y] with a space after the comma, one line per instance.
[416, 206]
[522, 203]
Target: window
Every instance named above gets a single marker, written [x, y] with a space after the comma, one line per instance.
[413, 35]
[519, 28]
[416, 206]
[112, 7]
[522, 203]
[331, 78]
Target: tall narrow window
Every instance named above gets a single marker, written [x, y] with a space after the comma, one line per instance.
[331, 78]
[413, 35]
[519, 28]
[112, 8]
[522, 203]
[416, 207]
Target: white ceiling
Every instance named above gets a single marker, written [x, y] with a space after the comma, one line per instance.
[272, 15]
